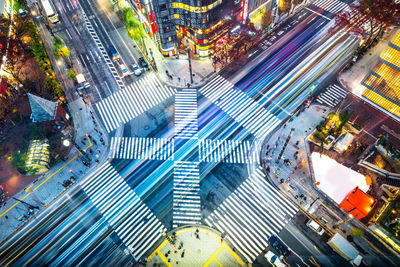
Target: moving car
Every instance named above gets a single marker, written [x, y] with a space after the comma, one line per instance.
[279, 246]
[143, 64]
[136, 69]
[113, 52]
[274, 259]
[313, 225]
[123, 68]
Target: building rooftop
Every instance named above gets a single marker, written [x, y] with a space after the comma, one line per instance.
[334, 179]
[42, 109]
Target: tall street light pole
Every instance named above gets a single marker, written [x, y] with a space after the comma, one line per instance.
[190, 61]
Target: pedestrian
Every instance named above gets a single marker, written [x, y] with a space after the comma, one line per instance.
[94, 141]
[82, 142]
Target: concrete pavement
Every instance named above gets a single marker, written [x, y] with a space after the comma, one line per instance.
[46, 188]
[295, 180]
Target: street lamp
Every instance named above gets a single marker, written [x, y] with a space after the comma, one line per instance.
[66, 142]
[190, 62]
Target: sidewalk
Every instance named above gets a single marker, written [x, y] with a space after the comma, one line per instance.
[179, 68]
[49, 186]
[352, 78]
[295, 180]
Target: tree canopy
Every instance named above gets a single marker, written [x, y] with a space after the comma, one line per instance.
[369, 15]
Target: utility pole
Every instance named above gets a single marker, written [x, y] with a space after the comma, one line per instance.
[27, 204]
[190, 62]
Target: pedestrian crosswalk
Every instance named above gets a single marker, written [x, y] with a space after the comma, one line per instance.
[132, 101]
[228, 151]
[131, 219]
[103, 52]
[332, 96]
[332, 6]
[142, 148]
[186, 197]
[186, 114]
[243, 109]
[251, 214]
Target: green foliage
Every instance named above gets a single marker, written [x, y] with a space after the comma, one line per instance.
[71, 75]
[18, 160]
[129, 18]
[39, 53]
[133, 27]
[57, 42]
[64, 52]
[51, 84]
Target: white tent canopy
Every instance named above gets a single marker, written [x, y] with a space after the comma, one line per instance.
[336, 180]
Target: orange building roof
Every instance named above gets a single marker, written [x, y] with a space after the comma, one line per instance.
[358, 203]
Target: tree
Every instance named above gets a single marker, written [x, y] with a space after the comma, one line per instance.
[18, 160]
[369, 13]
[284, 6]
[266, 19]
[71, 75]
[57, 42]
[53, 86]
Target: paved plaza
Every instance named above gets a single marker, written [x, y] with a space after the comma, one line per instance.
[194, 247]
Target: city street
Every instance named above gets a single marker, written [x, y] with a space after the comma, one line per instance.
[185, 156]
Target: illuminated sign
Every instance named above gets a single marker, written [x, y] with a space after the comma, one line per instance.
[245, 11]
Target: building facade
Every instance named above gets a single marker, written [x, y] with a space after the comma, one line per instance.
[174, 24]
[382, 85]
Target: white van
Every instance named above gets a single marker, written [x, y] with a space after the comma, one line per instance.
[313, 225]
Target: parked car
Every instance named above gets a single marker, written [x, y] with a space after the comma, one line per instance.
[136, 69]
[143, 64]
[274, 259]
[279, 246]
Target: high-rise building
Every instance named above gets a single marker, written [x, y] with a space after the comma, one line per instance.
[382, 85]
[174, 24]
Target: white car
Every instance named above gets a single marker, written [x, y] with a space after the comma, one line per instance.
[123, 68]
[136, 69]
[274, 259]
[313, 225]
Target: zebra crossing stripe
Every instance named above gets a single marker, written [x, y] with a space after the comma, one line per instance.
[239, 106]
[186, 114]
[331, 6]
[332, 96]
[228, 151]
[135, 224]
[130, 102]
[186, 198]
[142, 148]
[251, 214]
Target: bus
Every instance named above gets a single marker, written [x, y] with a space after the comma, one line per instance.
[48, 9]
